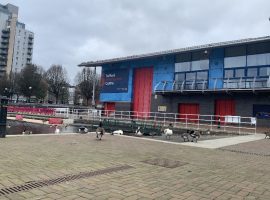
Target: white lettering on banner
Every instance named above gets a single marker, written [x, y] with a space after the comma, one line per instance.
[110, 75]
[109, 83]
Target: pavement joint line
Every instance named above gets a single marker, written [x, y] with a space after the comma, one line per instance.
[58, 180]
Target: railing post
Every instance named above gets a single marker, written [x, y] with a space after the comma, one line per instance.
[164, 119]
[239, 126]
[175, 120]
[173, 86]
[211, 127]
[186, 120]
[193, 85]
[255, 125]
[198, 118]
[182, 86]
[254, 80]
[215, 84]
[240, 83]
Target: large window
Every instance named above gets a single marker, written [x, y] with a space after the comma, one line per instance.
[239, 73]
[235, 51]
[200, 65]
[258, 59]
[229, 74]
[182, 67]
[264, 71]
[258, 48]
[252, 72]
[232, 62]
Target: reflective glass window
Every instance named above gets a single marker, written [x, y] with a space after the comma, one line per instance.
[180, 77]
[183, 57]
[239, 73]
[228, 73]
[190, 76]
[258, 59]
[232, 62]
[199, 65]
[258, 48]
[235, 51]
[202, 75]
[182, 67]
[252, 72]
[264, 71]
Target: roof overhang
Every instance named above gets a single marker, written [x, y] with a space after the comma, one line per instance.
[174, 51]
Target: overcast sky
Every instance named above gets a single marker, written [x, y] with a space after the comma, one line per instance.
[69, 32]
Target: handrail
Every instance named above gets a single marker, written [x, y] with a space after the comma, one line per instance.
[237, 124]
[251, 83]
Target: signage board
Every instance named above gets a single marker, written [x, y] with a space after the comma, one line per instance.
[261, 111]
[114, 81]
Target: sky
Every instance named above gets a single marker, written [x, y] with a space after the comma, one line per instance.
[69, 32]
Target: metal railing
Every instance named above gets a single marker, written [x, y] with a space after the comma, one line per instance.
[251, 83]
[234, 124]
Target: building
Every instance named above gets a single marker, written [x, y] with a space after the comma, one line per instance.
[227, 78]
[16, 43]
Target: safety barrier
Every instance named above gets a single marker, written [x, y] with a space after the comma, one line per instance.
[235, 124]
[31, 110]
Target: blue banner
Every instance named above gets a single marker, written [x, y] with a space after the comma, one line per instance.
[114, 81]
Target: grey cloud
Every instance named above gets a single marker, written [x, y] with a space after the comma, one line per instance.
[70, 32]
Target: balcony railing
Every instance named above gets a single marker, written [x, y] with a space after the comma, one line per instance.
[254, 83]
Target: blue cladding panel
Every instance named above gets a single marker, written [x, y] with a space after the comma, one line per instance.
[216, 66]
[163, 70]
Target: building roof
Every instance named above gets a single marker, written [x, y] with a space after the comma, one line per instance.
[174, 51]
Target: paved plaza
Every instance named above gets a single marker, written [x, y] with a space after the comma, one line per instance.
[128, 168]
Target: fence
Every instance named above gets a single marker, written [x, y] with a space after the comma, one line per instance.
[31, 110]
[235, 124]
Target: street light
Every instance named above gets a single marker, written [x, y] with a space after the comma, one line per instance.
[94, 86]
[30, 89]
[63, 94]
[6, 92]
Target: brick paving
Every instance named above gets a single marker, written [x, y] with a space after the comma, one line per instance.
[260, 148]
[207, 174]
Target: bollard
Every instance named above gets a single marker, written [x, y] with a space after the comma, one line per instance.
[3, 117]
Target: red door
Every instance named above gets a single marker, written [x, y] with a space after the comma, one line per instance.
[224, 107]
[109, 108]
[142, 91]
[189, 112]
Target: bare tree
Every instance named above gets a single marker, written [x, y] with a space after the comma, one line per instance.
[56, 77]
[85, 80]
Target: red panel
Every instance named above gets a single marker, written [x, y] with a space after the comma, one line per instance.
[109, 108]
[142, 91]
[224, 107]
[189, 112]
[55, 121]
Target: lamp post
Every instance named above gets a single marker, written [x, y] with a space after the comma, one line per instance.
[6, 92]
[94, 86]
[30, 91]
[63, 88]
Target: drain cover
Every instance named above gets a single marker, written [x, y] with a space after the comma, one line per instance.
[162, 162]
[37, 184]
